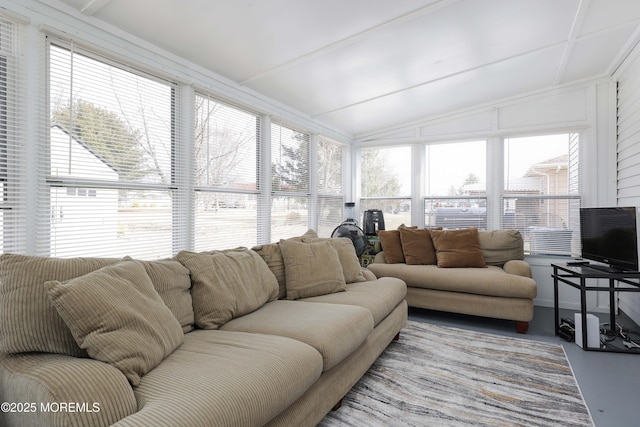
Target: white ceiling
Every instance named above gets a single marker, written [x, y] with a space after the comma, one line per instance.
[367, 65]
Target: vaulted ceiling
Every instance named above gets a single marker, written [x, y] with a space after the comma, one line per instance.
[367, 65]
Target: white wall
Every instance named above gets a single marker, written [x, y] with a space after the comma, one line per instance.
[588, 108]
[628, 152]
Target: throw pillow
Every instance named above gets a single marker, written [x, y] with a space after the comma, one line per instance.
[458, 248]
[417, 246]
[347, 254]
[118, 317]
[312, 269]
[173, 283]
[227, 284]
[28, 321]
[391, 245]
[271, 254]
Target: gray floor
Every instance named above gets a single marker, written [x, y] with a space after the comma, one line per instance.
[610, 382]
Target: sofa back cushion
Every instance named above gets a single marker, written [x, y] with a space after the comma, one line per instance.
[347, 255]
[500, 246]
[173, 283]
[28, 321]
[272, 255]
[227, 284]
[312, 269]
[116, 314]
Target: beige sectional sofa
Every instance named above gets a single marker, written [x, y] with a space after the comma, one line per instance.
[202, 339]
[498, 285]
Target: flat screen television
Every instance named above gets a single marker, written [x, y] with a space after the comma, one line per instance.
[610, 236]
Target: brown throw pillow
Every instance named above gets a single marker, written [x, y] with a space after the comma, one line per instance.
[311, 269]
[118, 317]
[458, 248]
[391, 245]
[417, 246]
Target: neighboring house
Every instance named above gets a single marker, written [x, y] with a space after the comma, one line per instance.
[80, 208]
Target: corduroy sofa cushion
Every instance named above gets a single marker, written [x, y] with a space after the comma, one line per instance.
[28, 321]
[311, 269]
[219, 378]
[500, 246]
[118, 317]
[272, 255]
[493, 281]
[227, 284]
[173, 283]
[346, 254]
[380, 297]
[334, 330]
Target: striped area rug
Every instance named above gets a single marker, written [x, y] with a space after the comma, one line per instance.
[442, 376]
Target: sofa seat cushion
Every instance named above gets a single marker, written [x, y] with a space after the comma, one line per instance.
[380, 296]
[334, 330]
[219, 378]
[492, 281]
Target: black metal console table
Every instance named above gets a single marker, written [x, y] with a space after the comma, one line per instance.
[576, 276]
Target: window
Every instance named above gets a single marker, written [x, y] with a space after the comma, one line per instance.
[111, 183]
[330, 194]
[541, 193]
[456, 185]
[386, 184]
[226, 175]
[12, 206]
[289, 182]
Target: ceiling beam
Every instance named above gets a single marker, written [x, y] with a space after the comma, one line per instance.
[351, 39]
[93, 6]
[581, 13]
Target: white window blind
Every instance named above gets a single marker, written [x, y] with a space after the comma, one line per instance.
[330, 192]
[12, 170]
[289, 182]
[456, 187]
[226, 175]
[541, 192]
[110, 155]
[386, 184]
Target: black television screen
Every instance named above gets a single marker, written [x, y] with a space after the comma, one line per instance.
[609, 235]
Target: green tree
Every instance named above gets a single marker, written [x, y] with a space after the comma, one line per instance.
[107, 135]
[291, 172]
[377, 179]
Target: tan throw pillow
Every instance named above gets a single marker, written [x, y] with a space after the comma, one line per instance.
[227, 284]
[271, 254]
[312, 269]
[347, 254]
[173, 283]
[458, 248]
[417, 246]
[391, 245]
[118, 317]
[28, 321]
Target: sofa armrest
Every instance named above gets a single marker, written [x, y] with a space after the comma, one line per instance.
[369, 275]
[379, 258]
[56, 390]
[518, 267]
